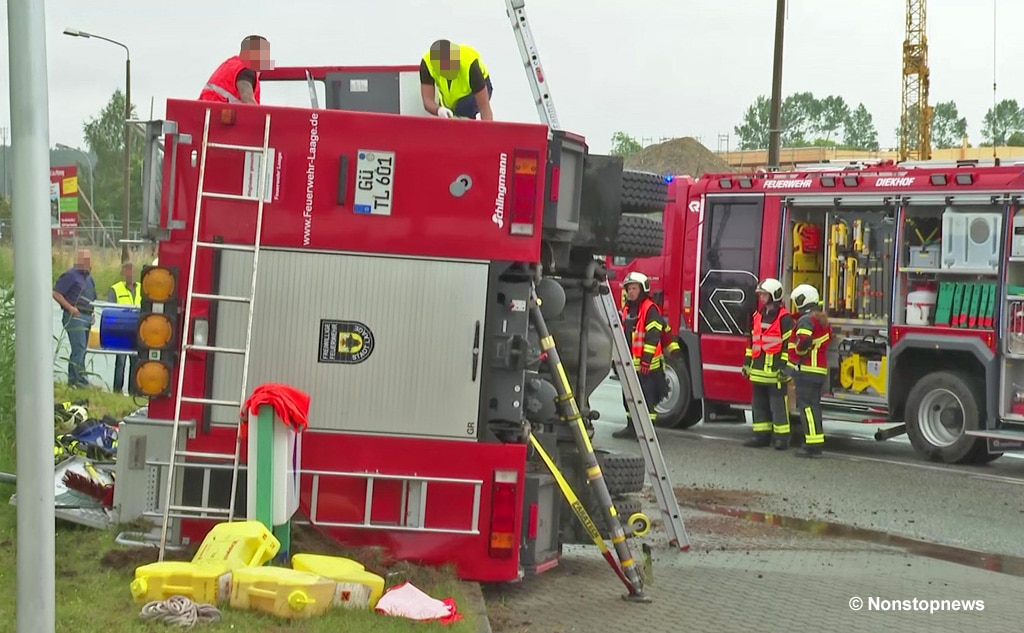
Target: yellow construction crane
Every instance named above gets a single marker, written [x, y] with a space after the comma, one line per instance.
[916, 114]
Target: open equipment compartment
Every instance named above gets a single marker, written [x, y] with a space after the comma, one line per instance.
[858, 299]
[949, 265]
[1011, 396]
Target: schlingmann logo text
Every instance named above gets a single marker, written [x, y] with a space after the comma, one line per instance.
[875, 603]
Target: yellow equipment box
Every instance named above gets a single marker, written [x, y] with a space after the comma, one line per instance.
[238, 544]
[286, 593]
[357, 588]
[203, 583]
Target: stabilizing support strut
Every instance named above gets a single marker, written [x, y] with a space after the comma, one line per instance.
[569, 413]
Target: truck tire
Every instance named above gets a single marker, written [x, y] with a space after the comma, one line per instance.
[638, 237]
[643, 192]
[940, 408]
[623, 472]
[678, 410]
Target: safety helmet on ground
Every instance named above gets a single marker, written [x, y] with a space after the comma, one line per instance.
[637, 278]
[805, 296]
[772, 288]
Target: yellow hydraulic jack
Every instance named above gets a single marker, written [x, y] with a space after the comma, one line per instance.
[626, 568]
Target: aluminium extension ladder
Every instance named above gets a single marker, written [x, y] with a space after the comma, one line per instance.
[657, 470]
[182, 511]
[649, 446]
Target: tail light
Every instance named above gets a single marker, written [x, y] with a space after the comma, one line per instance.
[524, 191]
[503, 514]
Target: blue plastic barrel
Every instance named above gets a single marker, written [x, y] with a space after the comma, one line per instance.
[118, 328]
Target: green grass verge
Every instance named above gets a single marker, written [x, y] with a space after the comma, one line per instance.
[106, 265]
[93, 573]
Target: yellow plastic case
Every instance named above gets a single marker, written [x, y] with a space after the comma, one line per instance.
[238, 544]
[357, 588]
[204, 583]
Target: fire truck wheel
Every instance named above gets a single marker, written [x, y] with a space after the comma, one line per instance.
[623, 472]
[941, 407]
[678, 410]
[638, 237]
[643, 192]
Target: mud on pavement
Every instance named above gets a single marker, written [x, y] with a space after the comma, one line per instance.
[745, 570]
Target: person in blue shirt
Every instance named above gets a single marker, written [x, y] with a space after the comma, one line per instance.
[75, 291]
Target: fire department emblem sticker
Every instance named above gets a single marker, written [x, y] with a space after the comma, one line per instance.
[345, 342]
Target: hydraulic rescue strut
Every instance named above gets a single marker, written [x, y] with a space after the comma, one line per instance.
[569, 413]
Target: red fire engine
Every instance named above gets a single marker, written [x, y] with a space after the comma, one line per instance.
[920, 269]
[392, 284]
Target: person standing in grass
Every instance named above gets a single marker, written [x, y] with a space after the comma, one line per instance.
[125, 292]
[75, 291]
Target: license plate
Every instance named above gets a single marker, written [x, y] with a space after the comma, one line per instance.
[375, 181]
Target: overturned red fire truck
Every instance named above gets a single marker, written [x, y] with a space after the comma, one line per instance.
[392, 282]
[920, 268]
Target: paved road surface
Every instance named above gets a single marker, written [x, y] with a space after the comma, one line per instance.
[869, 484]
[742, 576]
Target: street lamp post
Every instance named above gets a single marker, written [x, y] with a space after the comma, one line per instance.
[127, 133]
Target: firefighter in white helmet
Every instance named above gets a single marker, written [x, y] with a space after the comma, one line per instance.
[765, 364]
[808, 364]
[642, 324]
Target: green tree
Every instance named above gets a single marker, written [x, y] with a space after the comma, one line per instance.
[948, 127]
[753, 131]
[624, 145]
[805, 121]
[105, 134]
[860, 130]
[1001, 121]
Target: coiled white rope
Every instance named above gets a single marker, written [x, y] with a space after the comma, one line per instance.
[181, 611]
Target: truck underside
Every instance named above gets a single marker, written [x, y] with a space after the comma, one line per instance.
[447, 377]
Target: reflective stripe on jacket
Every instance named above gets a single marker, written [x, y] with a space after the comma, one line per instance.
[766, 355]
[459, 87]
[645, 331]
[122, 295]
[808, 349]
[221, 85]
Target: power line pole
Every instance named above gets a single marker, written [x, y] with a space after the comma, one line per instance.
[775, 118]
[30, 107]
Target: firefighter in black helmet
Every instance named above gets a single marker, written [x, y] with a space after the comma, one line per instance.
[765, 365]
[642, 325]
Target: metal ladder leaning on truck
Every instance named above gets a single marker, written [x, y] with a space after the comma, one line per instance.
[921, 270]
[444, 473]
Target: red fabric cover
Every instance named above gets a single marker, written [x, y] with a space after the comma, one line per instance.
[290, 404]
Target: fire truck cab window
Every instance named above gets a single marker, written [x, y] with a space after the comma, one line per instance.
[730, 264]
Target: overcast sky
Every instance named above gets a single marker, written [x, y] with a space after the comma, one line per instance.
[652, 68]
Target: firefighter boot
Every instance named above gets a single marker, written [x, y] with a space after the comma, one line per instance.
[626, 433]
[760, 440]
[808, 451]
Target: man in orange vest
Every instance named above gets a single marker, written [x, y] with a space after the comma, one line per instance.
[237, 80]
[642, 324]
[765, 366]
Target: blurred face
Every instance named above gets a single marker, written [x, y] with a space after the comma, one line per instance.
[129, 274]
[763, 298]
[83, 261]
[633, 291]
[256, 55]
[446, 60]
